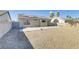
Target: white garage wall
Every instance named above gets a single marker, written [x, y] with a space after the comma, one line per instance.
[5, 24]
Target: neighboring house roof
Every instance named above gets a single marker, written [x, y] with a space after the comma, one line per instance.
[34, 17]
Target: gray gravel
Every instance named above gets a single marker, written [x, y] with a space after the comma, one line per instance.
[15, 39]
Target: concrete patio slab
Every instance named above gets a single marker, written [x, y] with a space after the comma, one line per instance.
[15, 39]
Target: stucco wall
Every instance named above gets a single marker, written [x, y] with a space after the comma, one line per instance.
[5, 24]
[33, 23]
[43, 24]
[4, 28]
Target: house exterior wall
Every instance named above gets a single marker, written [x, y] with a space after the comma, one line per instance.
[32, 22]
[4, 28]
[5, 24]
[43, 24]
[21, 21]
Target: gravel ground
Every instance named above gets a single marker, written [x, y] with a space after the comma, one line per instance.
[14, 39]
[54, 38]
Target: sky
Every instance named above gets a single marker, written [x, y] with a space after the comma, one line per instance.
[63, 13]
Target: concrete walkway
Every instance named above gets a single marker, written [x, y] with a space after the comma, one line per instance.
[14, 39]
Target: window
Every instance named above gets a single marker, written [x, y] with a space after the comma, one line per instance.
[43, 21]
